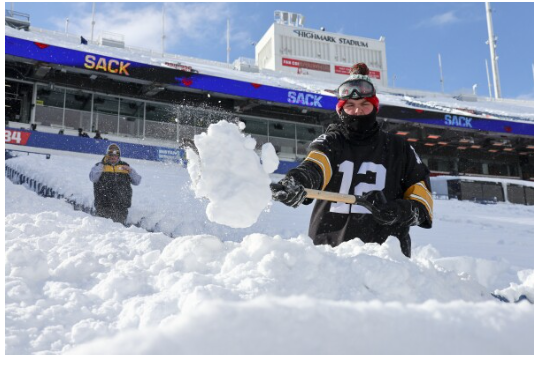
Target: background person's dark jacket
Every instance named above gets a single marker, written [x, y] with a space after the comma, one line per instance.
[112, 184]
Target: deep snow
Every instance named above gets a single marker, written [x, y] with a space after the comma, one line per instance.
[80, 284]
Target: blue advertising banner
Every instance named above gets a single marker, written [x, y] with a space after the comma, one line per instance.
[456, 121]
[64, 56]
[185, 79]
[473, 123]
[98, 63]
[17, 139]
[29, 138]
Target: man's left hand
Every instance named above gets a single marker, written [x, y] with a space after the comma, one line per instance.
[400, 211]
[384, 212]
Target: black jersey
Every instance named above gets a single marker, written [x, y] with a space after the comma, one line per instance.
[383, 162]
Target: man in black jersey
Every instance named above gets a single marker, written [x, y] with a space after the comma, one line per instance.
[354, 156]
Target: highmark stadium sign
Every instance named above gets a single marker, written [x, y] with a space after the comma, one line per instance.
[322, 37]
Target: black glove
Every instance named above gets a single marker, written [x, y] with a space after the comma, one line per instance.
[288, 191]
[402, 212]
[383, 212]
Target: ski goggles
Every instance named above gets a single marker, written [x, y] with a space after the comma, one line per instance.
[113, 152]
[355, 89]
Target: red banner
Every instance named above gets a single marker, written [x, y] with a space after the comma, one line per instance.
[178, 66]
[17, 137]
[345, 70]
[305, 65]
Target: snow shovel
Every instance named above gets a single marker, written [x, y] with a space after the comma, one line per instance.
[330, 196]
[344, 198]
[349, 199]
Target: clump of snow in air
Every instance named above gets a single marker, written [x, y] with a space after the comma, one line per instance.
[269, 158]
[228, 172]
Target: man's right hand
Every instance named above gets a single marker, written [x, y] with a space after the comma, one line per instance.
[288, 191]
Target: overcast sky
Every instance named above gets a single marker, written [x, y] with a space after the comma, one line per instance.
[415, 34]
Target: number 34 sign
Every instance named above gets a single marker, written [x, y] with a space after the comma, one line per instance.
[17, 137]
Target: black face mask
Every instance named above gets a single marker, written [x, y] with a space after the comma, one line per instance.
[360, 124]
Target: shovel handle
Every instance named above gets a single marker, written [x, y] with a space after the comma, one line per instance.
[330, 196]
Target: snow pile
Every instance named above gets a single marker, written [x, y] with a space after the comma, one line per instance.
[525, 288]
[71, 279]
[227, 171]
[300, 325]
[165, 203]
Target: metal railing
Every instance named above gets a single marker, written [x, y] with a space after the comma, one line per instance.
[47, 155]
[17, 15]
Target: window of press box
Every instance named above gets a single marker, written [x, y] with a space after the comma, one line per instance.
[308, 133]
[281, 129]
[106, 110]
[160, 113]
[50, 96]
[160, 123]
[201, 117]
[255, 127]
[106, 105]
[77, 100]
[131, 117]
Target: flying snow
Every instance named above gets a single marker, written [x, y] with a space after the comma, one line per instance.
[228, 172]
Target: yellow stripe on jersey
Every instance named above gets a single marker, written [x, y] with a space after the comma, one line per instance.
[420, 193]
[323, 162]
[118, 169]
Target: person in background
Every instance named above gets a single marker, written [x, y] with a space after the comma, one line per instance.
[112, 185]
[97, 135]
[355, 156]
[82, 133]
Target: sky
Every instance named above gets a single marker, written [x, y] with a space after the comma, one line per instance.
[179, 283]
[415, 34]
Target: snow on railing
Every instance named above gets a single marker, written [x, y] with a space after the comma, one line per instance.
[41, 189]
[141, 51]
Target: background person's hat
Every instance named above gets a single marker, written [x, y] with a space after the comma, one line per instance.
[113, 149]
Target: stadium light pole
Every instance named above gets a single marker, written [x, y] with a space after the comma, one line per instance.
[93, 23]
[163, 29]
[228, 41]
[441, 75]
[491, 41]
[489, 79]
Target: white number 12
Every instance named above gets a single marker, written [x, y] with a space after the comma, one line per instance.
[347, 168]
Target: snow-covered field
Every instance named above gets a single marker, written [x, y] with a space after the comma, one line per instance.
[179, 284]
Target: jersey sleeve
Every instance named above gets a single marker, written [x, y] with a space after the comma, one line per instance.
[322, 154]
[416, 185]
